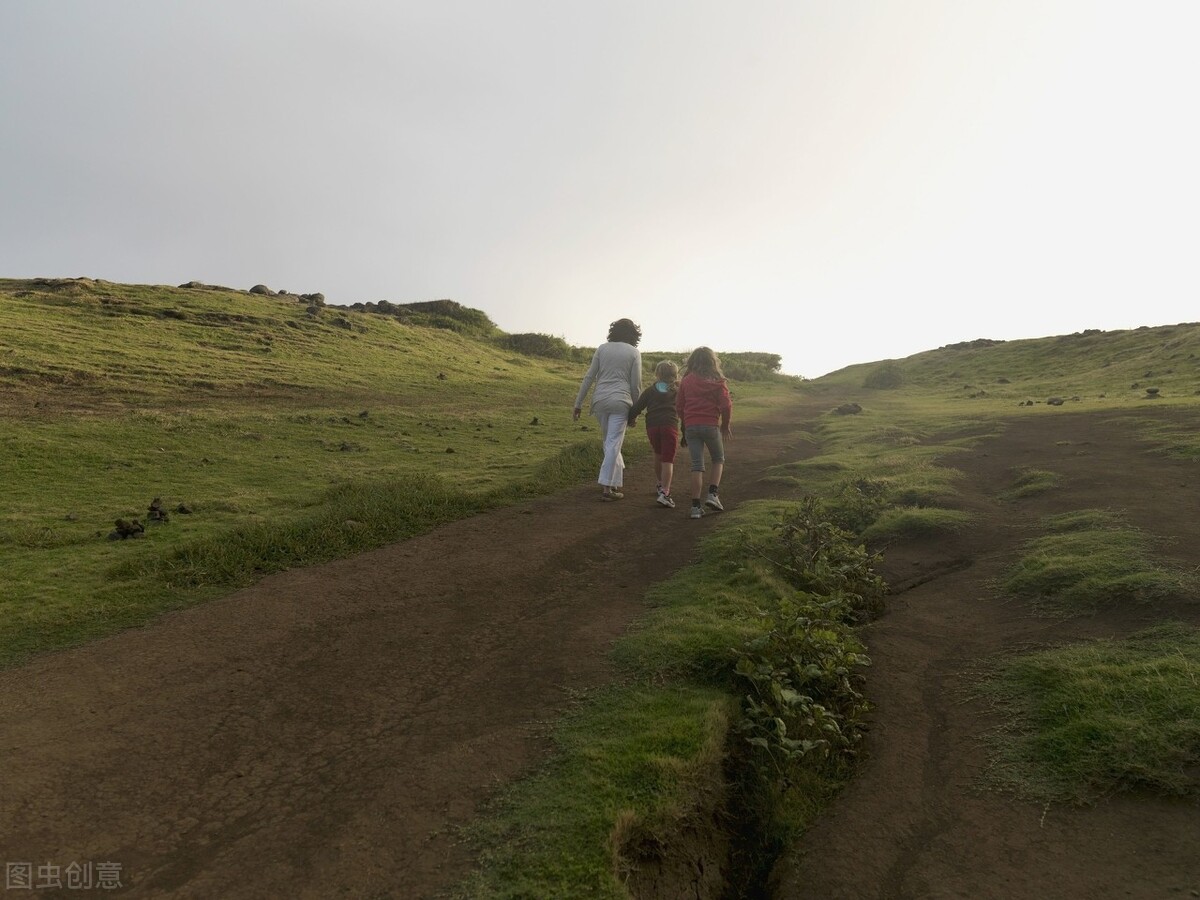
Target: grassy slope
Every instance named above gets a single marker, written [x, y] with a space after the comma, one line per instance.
[251, 412]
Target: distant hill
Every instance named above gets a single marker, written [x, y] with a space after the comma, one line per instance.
[1118, 364]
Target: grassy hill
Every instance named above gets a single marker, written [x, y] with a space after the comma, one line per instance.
[275, 430]
[1091, 365]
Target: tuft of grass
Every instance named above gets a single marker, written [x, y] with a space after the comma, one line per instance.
[1030, 483]
[1087, 562]
[913, 522]
[1110, 715]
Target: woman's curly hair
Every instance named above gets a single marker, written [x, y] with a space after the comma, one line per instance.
[626, 331]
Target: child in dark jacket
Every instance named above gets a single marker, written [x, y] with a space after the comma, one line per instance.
[705, 411]
[662, 425]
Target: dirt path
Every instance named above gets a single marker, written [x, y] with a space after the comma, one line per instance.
[915, 824]
[320, 734]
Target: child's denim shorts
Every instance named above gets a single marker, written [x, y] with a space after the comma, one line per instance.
[701, 436]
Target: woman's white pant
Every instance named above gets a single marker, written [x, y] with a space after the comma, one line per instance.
[612, 428]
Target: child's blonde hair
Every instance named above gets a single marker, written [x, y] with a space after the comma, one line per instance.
[666, 371]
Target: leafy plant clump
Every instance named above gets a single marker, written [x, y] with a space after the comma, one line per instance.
[1104, 716]
[805, 682]
[804, 667]
[820, 558]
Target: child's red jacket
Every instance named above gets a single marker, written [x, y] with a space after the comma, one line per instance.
[703, 401]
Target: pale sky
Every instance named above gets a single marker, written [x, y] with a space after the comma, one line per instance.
[836, 182]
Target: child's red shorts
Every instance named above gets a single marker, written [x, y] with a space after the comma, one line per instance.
[664, 439]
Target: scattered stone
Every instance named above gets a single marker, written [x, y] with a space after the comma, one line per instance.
[314, 299]
[125, 529]
[354, 524]
[449, 449]
[1054, 401]
[441, 376]
[1135, 386]
[586, 428]
[70, 517]
[535, 421]
[1152, 394]
[1002, 380]
[848, 409]
[156, 512]
[313, 310]
[183, 509]
[261, 289]
[364, 414]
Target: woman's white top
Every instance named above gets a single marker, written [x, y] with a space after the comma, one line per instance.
[616, 370]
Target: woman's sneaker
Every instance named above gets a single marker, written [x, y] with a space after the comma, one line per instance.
[696, 513]
[665, 500]
[715, 502]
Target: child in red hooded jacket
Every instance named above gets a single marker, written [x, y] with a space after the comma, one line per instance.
[705, 410]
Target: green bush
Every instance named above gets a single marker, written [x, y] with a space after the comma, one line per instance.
[887, 375]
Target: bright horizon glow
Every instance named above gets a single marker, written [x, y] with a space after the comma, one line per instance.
[837, 183]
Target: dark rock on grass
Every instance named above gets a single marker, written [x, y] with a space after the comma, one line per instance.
[848, 409]
[535, 421]
[1054, 401]
[156, 513]
[126, 529]
[183, 509]
[261, 289]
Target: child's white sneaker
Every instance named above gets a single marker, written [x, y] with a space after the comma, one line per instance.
[665, 500]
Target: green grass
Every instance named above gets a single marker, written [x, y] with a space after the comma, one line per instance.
[1088, 561]
[1030, 483]
[627, 762]
[1112, 715]
[913, 522]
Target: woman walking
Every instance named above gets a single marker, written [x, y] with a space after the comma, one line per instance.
[616, 372]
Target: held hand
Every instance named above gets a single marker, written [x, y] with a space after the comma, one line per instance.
[727, 432]
[575, 414]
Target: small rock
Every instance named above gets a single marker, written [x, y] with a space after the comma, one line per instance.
[441, 376]
[535, 421]
[449, 449]
[1054, 401]
[851, 409]
[183, 509]
[261, 289]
